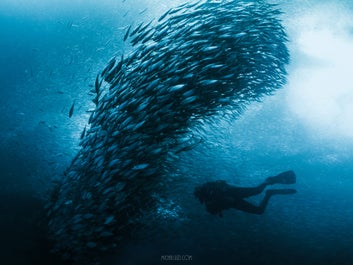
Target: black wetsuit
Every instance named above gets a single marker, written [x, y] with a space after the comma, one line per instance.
[219, 196]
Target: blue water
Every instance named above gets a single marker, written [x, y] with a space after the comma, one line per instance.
[50, 54]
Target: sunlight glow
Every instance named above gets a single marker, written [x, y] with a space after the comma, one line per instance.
[321, 83]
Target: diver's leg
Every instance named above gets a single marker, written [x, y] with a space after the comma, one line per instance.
[250, 208]
[245, 206]
[247, 192]
[287, 177]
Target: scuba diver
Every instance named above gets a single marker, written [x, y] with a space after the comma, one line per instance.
[218, 195]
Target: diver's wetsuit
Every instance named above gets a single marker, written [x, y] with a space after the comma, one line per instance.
[219, 196]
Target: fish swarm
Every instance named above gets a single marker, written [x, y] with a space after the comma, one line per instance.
[197, 61]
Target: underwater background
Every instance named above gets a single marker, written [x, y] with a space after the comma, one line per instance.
[50, 54]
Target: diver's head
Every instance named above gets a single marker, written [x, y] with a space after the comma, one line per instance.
[211, 190]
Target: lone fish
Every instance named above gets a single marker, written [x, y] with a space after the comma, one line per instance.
[72, 109]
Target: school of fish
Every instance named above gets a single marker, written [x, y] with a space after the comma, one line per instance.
[198, 60]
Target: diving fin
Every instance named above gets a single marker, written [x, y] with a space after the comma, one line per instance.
[287, 177]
